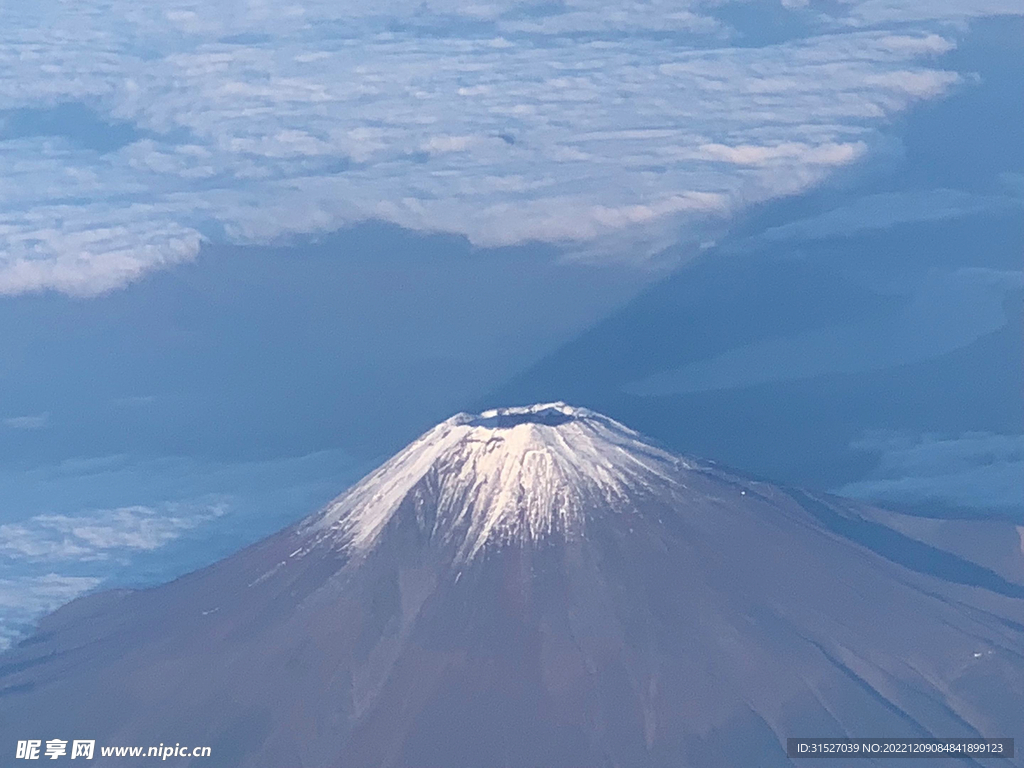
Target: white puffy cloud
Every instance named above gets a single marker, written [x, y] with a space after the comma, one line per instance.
[101, 534]
[88, 249]
[752, 154]
[923, 44]
[505, 122]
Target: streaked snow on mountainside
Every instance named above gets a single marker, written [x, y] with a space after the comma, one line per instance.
[509, 473]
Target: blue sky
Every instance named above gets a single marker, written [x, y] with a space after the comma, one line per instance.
[247, 249]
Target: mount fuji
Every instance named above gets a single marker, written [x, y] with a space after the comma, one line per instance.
[542, 586]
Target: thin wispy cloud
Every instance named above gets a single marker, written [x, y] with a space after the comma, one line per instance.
[505, 123]
[976, 469]
[946, 311]
[37, 421]
[949, 11]
[888, 209]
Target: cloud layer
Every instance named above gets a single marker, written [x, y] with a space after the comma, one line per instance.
[60, 550]
[24, 599]
[102, 534]
[975, 469]
[508, 122]
[49, 559]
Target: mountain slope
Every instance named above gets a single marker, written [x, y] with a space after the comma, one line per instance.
[540, 586]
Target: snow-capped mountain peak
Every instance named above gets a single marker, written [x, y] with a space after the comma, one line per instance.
[540, 586]
[504, 474]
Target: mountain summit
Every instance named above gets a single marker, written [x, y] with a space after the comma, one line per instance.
[541, 586]
[503, 476]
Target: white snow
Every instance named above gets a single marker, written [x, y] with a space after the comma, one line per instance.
[504, 474]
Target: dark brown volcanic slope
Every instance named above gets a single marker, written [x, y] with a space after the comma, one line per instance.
[541, 587]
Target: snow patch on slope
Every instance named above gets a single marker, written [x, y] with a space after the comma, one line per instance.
[503, 475]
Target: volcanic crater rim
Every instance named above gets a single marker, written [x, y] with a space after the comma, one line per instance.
[543, 414]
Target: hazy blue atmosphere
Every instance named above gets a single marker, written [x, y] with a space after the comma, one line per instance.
[246, 256]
